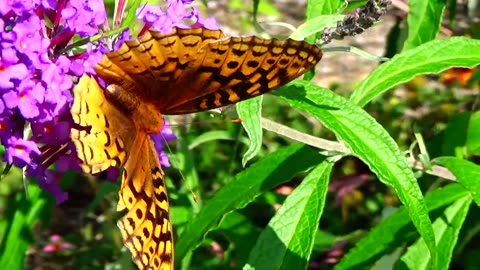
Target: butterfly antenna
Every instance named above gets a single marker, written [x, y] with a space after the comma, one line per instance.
[176, 163]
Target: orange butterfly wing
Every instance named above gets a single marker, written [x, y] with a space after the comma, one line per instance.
[198, 69]
[119, 137]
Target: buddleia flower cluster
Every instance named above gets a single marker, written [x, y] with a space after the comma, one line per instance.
[357, 21]
[46, 45]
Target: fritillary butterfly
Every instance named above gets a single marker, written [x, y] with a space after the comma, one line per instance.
[187, 71]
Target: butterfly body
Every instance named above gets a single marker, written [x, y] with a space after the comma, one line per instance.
[186, 71]
[148, 119]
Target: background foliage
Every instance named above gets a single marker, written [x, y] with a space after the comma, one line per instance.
[303, 204]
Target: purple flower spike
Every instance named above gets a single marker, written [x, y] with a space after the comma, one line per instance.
[209, 23]
[51, 132]
[26, 99]
[124, 36]
[175, 15]
[94, 56]
[8, 74]
[154, 17]
[82, 15]
[8, 127]
[167, 132]
[36, 70]
[20, 152]
[176, 11]
[27, 35]
[163, 25]
[50, 4]
[150, 14]
[2, 107]
[165, 135]
[48, 180]
[19, 7]
[35, 84]
[9, 55]
[57, 94]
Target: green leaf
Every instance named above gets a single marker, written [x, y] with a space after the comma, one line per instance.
[288, 240]
[180, 215]
[314, 9]
[24, 213]
[466, 172]
[324, 240]
[321, 7]
[130, 19]
[367, 140]
[183, 160]
[473, 134]
[446, 228]
[395, 231]
[269, 172]
[239, 227]
[315, 25]
[431, 57]
[255, 4]
[104, 189]
[267, 8]
[424, 21]
[215, 135]
[250, 112]
[455, 135]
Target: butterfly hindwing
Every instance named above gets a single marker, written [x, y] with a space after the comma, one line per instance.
[110, 132]
[146, 227]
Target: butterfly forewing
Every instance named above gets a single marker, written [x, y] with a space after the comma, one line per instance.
[235, 69]
[155, 61]
[193, 70]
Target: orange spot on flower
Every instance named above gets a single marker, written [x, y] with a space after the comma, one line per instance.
[48, 128]
[19, 148]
